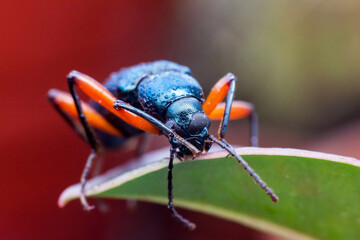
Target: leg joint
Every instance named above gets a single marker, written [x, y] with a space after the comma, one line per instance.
[71, 77]
[231, 76]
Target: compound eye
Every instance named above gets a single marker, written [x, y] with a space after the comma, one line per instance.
[198, 122]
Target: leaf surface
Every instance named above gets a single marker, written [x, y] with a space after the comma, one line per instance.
[319, 193]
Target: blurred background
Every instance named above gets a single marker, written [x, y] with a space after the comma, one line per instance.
[297, 61]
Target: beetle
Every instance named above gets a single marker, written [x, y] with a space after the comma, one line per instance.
[159, 97]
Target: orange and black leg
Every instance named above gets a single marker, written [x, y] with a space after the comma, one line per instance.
[240, 109]
[226, 87]
[55, 97]
[93, 89]
[216, 110]
[65, 105]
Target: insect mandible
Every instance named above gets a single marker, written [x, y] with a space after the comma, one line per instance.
[159, 97]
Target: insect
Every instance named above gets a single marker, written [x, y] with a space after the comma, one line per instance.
[159, 97]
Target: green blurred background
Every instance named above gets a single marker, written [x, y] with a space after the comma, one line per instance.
[298, 61]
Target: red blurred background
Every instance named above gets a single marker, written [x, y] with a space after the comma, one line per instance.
[40, 42]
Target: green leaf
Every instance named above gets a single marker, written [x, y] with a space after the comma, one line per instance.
[319, 193]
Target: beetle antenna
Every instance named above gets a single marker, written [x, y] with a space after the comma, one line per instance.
[174, 213]
[222, 143]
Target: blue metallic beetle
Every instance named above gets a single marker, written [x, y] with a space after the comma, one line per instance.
[159, 97]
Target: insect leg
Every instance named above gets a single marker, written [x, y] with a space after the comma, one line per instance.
[143, 144]
[218, 93]
[240, 109]
[53, 97]
[230, 109]
[91, 140]
[229, 99]
[224, 87]
[222, 143]
[64, 104]
[254, 128]
[175, 214]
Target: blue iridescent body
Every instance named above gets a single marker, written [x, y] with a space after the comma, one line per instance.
[165, 90]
